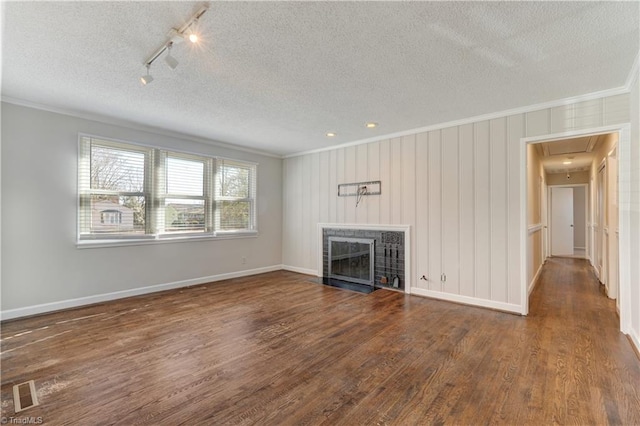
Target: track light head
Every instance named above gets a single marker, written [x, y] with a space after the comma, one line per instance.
[147, 78]
[170, 60]
[191, 32]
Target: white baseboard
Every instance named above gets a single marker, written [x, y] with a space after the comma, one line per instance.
[635, 339]
[301, 270]
[534, 281]
[82, 301]
[466, 300]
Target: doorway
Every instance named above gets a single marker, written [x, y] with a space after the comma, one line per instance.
[613, 244]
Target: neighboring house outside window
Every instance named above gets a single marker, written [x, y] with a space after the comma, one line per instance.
[109, 216]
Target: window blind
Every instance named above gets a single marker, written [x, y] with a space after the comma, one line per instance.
[185, 201]
[235, 195]
[112, 189]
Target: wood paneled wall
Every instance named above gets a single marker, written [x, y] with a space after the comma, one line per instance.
[457, 187]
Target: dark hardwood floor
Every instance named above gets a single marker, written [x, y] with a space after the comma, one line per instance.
[277, 349]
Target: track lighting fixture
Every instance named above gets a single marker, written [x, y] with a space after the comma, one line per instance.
[185, 32]
[147, 78]
[170, 60]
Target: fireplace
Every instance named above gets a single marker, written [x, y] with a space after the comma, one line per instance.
[378, 256]
[352, 259]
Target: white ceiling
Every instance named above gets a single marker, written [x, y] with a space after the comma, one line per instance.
[276, 76]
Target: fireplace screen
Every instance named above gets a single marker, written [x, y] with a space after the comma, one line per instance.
[351, 259]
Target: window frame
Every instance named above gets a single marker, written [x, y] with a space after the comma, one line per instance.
[85, 192]
[251, 195]
[155, 193]
[163, 194]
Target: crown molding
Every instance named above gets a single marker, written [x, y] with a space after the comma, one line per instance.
[132, 125]
[521, 110]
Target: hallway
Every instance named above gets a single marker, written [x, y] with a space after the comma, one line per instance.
[578, 333]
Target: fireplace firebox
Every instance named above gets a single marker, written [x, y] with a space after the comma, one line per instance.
[352, 259]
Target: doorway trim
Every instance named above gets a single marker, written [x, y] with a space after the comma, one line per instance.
[624, 211]
[600, 260]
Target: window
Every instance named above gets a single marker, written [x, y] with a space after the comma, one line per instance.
[113, 189]
[128, 191]
[235, 195]
[185, 199]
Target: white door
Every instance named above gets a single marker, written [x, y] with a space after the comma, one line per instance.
[544, 216]
[561, 221]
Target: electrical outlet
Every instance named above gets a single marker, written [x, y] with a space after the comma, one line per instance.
[244, 260]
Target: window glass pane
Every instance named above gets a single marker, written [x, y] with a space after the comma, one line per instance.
[234, 215]
[185, 177]
[116, 169]
[234, 181]
[115, 214]
[184, 215]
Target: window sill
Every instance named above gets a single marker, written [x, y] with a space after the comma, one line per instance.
[87, 244]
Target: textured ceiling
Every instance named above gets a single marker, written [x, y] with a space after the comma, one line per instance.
[276, 76]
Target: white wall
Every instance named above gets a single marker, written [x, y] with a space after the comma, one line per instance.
[561, 178]
[41, 267]
[536, 183]
[457, 185]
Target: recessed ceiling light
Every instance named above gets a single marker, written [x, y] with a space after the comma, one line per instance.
[331, 134]
[371, 125]
[566, 162]
[193, 38]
